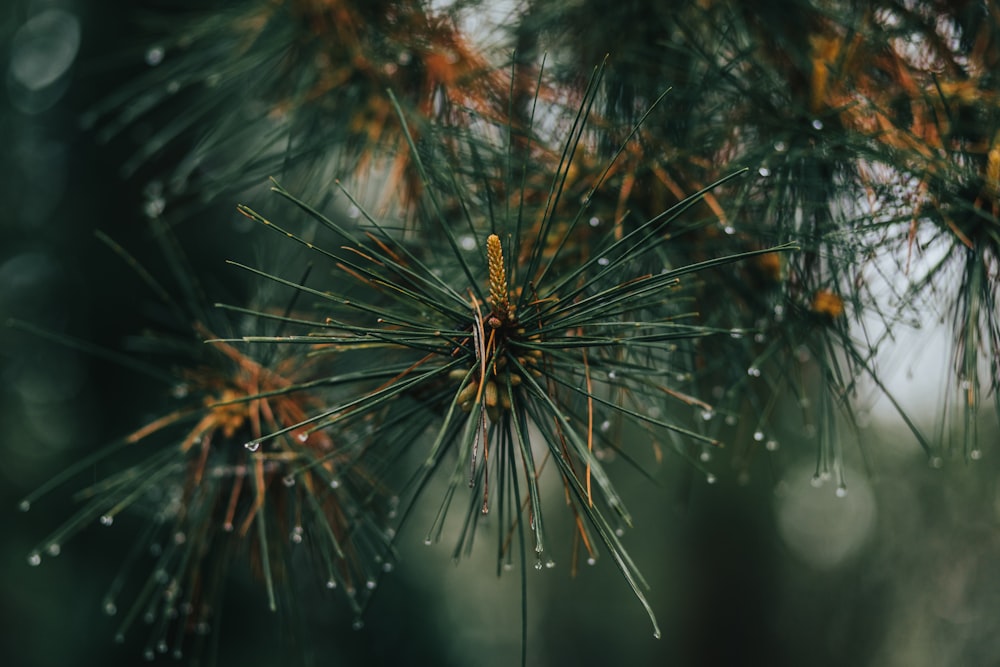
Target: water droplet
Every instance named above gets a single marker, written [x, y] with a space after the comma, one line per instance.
[595, 221]
[148, 654]
[816, 481]
[707, 414]
[228, 526]
[591, 561]
[759, 337]
[253, 445]
[603, 261]
[296, 535]
[753, 372]
[302, 437]
[161, 646]
[34, 559]
[288, 480]
[841, 491]
[154, 55]
[177, 654]
[357, 624]
[619, 532]
[605, 426]
[331, 584]
[427, 541]
[53, 549]
[705, 456]
[780, 146]
[965, 384]
[771, 445]
[936, 462]
[120, 638]
[731, 420]
[508, 567]
[710, 478]
[976, 454]
[736, 333]
[353, 212]
[334, 483]
[110, 608]
[817, 124]
[550, 564]
[656, 634]
[154, 207]
[107, 519]
[202, 628]
[538, 564]
[729, 229]
[758, 436]
[371, 584]
[764, 171]
[180, 537]
[467, 241]
[24, 505]
[612, 375]
[387, 567]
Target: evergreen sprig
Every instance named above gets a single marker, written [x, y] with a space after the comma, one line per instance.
[507, 367]
[205, 502]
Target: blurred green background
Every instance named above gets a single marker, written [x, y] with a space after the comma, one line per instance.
[760, 570]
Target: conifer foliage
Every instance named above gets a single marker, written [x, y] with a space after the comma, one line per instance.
[532, 246]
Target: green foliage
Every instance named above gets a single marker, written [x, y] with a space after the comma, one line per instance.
[523, 266]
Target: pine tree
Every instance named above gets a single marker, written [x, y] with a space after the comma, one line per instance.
[499, 275]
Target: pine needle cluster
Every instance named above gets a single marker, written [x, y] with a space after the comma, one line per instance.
[525, 266]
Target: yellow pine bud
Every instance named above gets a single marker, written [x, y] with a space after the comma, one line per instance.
[499, 291]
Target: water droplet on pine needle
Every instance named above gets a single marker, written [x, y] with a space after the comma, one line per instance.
[154, 55]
